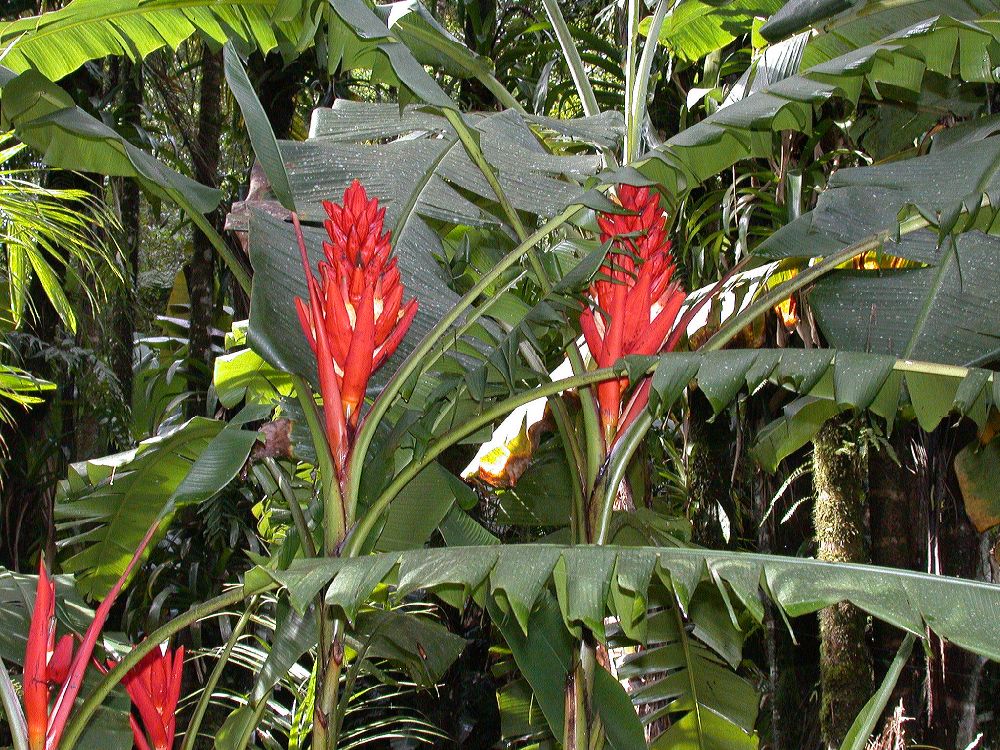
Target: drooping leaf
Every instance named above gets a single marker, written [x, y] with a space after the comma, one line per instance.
[520, 716]
[237, 729]
[543, 653]
[946, 312]
[977, 468]
[21, 388]
[622, 728]
[894, 126]
[109, 503]
[798, 423]
[956, 609]
[294, 634]
[967, 50]
[849, 379]
[542, 495]
[45, 117]
[261, 135]
[775, 63]
[362, 40]
[831, 381]
[60, 41]
[432, 44]
[458, 528]
[415, 164]
[424, 647]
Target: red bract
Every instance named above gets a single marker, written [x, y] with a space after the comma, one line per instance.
[355, 316]
[48, 664]
[637, 302]
[154, 685]
[37, 655]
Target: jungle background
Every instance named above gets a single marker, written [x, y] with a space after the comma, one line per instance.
[123, 307]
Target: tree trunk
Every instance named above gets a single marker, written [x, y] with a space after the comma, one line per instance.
[962, 552]
[126, 192]
[709, 469]
[278, 85]
[201, 269]
[783, 688]
[839, 518]
[898, 532]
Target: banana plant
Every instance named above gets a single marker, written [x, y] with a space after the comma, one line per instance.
[351, 301]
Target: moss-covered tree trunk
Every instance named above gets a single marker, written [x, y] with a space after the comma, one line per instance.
[839, 517]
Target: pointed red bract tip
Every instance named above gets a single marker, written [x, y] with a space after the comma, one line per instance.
[154, 685]
[41, 639]
[635, 302]
[356, 306]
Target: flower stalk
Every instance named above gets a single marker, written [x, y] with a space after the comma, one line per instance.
[631, 309]
[354, 320]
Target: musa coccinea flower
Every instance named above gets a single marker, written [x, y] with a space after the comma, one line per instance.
[355, 316]
[154, 685]
[46, 663]
[634, 303]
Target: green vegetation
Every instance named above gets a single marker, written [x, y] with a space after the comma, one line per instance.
[487, 374]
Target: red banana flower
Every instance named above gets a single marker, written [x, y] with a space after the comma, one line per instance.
[355, 316]
[46, 663]
[154, 685]
[637, 302]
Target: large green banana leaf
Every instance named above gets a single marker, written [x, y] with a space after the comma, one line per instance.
[691, 647]
[966, 50]
[60, 41]
[414, 162]
[856, 380]
[955, 187]
[848, 24]
[693, 28]
[831, 381]
[592, 583]
[946, 312]
[107, 504]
